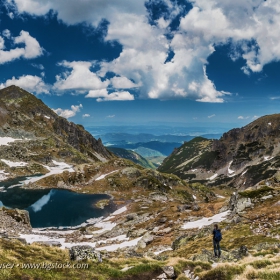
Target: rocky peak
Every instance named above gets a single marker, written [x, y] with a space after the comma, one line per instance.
[23, 115]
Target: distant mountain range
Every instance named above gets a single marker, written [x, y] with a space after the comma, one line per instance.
[122, 138]
[147, 149]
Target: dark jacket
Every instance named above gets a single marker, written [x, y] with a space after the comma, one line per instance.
[214, 233]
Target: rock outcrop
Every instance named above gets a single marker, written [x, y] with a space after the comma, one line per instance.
[84, 253]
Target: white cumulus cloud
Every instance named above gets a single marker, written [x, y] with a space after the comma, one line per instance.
[31, 49]
[243, 118]
[39, 66]
[73, 11]
[122, 82]
[30, 83]
[86, 115]
[103, 95]
[80, 78]
[68, 113]
[251, 27]
[212, 116]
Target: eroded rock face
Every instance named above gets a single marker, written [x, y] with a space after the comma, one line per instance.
[84, 253]
[78, 137]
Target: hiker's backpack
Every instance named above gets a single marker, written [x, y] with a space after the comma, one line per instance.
[218, 235]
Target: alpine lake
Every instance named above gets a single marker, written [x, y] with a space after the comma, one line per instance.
[53, 207]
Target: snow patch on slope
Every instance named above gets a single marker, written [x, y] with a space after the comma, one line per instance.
[4, 141]
[212, 177]
[58, 169]
[104, 175]
[206, 221]
[14, 163]
[230, 171]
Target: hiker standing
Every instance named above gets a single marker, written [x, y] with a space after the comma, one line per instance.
[217, 237]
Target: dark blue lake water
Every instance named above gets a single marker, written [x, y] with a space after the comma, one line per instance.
[54, 208]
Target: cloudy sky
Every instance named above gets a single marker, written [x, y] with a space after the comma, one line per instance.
[100, 62]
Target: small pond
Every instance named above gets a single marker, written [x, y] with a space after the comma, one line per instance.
[53, 207]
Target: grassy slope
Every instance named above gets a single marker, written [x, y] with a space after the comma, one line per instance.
[133, 156]
[185, 157]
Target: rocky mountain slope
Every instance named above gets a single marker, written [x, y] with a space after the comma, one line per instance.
[242, 157]
[161, 222]
[33, 133]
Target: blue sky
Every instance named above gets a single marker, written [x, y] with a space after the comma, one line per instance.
[101, 62]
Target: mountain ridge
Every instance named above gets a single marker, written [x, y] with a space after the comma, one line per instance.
[253, 147]
[43, 134]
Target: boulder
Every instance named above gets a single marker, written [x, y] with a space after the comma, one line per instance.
[162, 276]
[145, 240]
[131, 172]
[162, 220]
[243, 251]
[18, 215]
[266, 197]
[84, 253]
[169, 271]
[131, 216]
[184, 207]
[196, 207]
[242, 204]
[191, 275]
[158, 197]
[238, 204]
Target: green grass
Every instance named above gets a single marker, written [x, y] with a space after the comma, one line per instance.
[133, 156]
[226, 272]
[266, 275]
[267, 252]
[18, 253]
[261, 263]
[263, 190]
[187, 151]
